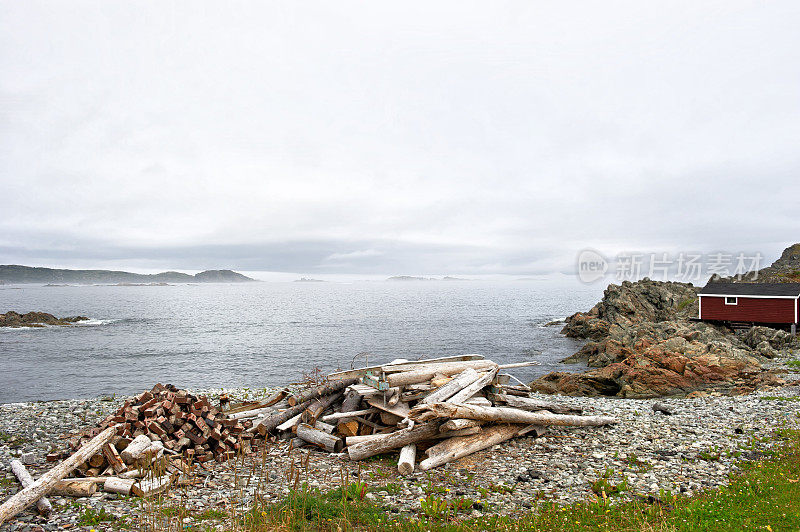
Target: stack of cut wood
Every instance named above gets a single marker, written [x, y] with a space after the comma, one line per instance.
[443, 408]
[163, 420]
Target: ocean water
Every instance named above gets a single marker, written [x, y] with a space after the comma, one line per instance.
[270, 333]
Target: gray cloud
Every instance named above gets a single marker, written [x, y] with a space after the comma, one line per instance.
[411, 138]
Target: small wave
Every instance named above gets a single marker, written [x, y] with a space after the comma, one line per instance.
[93, 322]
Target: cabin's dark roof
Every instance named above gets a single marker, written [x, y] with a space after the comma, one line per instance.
[751, 289]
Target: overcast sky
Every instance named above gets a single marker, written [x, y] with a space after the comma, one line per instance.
[402, 137]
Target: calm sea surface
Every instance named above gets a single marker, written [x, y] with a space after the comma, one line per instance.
[265, 334]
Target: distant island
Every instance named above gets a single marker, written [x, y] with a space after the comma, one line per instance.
[15, 274]
[308, 280]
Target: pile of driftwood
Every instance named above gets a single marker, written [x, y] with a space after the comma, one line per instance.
[445, 408]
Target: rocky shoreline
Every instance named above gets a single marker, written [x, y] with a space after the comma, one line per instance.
[695, 448]
[643, 344]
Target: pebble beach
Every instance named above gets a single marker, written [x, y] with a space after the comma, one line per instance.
[696, 447]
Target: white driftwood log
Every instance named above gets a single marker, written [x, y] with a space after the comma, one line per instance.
[430, 370]
[473, 388]
[151, 486]
[459, 424]
[78, 487]
[533, 405]
[461, 446]
[408, 454]
[455, 385]
[256, 412]
[29, 495]
[289, 423]
[352, 373]
[393, 440]
[506, 415]
[136, 449]
[320, 438]
[351, 414]
[43, 505]
[118, 485]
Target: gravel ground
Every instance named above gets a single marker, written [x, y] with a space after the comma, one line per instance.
[695, 448]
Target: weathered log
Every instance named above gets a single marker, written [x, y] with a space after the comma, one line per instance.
[478, 400]
[269, 423]
[461, 432]
[461, 446]
[352, 440]
[320, 438]
[296, 443]
[136, 449]
[506, 415]
[81, 487]
[408, 454]
[290, 423]
[249, 414]
[320, 425]
[532, 405]
[343, 416]
[113, 458]
[459, 424]
[393, 440]
[360, 372]
[430, 370]
[425, 364]
[456, 384]
[42, 505]
[474, 387]
[320, 391]
[118, 485]
[318, 406]
[151, 486]
[264, 403]
[32, 493]
[97, 460]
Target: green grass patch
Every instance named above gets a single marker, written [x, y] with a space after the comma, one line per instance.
[310, 509]
[790, 399]
[91, 517]
[11, 440]
[685, 303]
[793, 363]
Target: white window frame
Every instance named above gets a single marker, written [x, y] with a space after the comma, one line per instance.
[735, 300]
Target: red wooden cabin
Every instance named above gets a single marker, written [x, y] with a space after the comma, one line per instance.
[776, 304]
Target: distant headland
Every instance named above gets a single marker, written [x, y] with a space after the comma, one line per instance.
[15, 274]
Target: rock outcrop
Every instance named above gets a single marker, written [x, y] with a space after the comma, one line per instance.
[784, 270]
[643, 345]
[35, 319]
